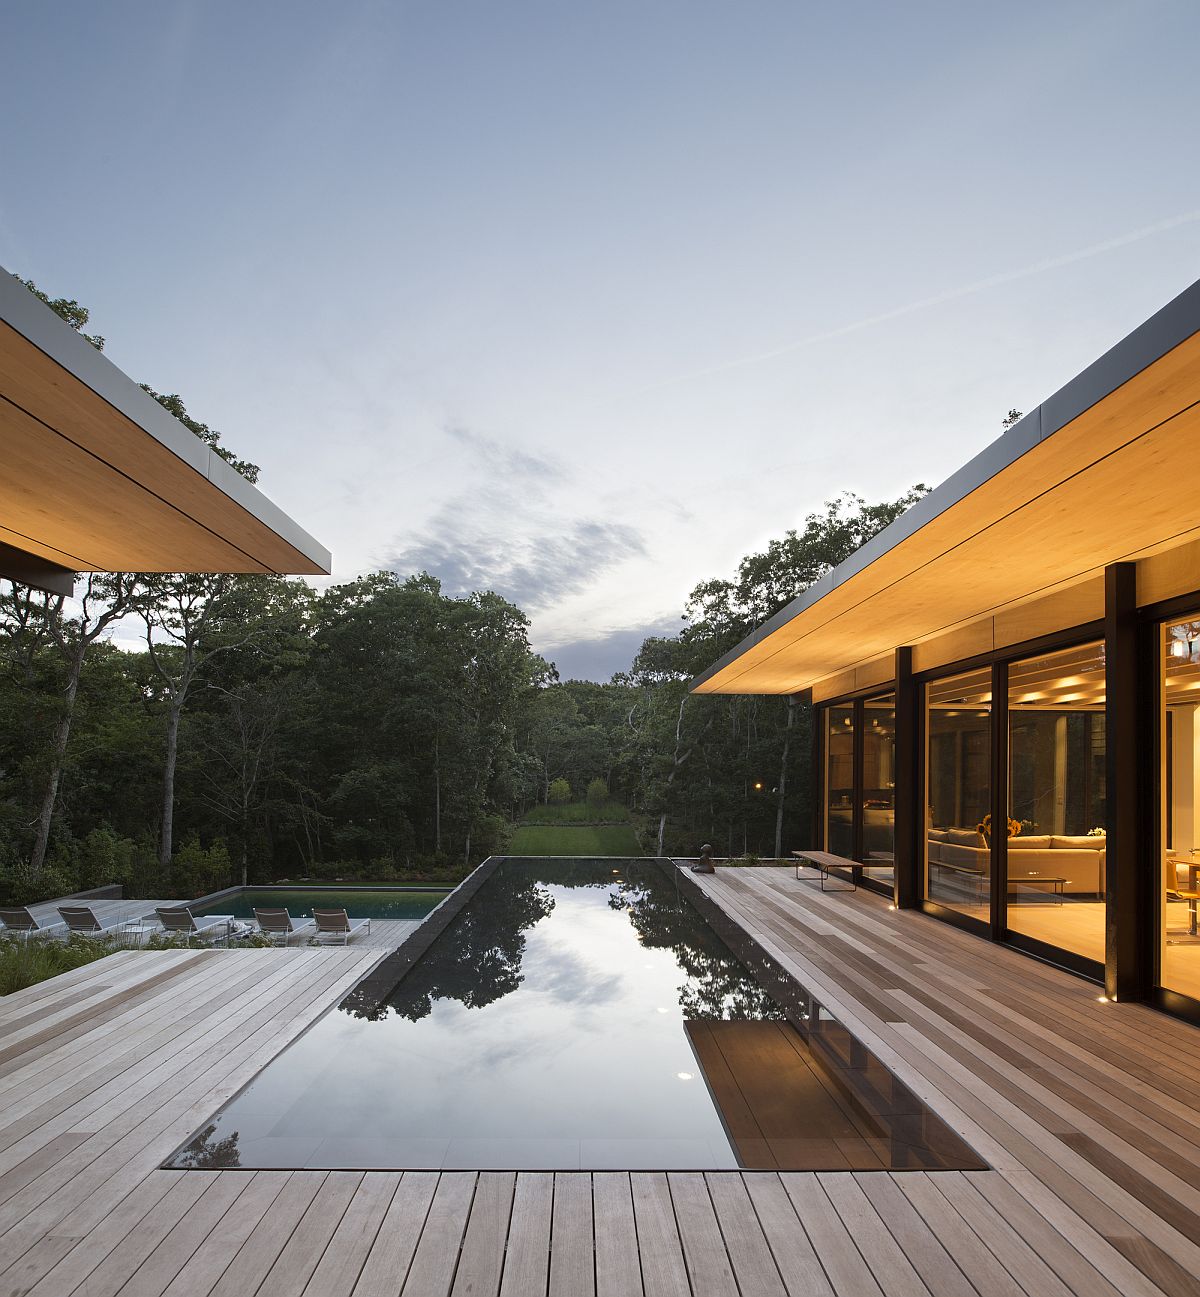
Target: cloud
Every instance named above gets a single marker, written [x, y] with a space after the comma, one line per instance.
[503, 533]
[599, 656]
[568, 977]
[516, 464]
[536, 564]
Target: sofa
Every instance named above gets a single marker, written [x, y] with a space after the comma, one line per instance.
[1080, 860]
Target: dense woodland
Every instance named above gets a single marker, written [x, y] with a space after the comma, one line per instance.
[380, 729]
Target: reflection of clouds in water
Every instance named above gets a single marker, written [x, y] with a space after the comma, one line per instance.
[565, 976]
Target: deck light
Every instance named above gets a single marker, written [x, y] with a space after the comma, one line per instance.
[758, 785]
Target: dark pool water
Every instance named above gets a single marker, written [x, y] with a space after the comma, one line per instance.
[578, 1015]
[359, 903]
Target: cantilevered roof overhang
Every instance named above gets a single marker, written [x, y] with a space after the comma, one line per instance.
[95, 476]
[1106, 470]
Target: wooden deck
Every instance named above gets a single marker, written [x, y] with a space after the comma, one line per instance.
[1087, 1112]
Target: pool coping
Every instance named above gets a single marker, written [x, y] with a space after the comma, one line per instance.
[214, 898]
[373, 989]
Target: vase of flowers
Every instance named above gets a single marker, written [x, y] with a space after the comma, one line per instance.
[984, 828]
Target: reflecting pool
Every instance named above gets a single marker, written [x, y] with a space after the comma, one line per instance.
[577, 1014]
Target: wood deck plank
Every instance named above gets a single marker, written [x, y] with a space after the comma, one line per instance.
[664, 1271]
[801, 1270]
[893, 1271]
[435, 1260]
[256, 1257]
[387, 1264]
[753, 1265]
[343, 1259]
[482, 1261]
[572, 1252]
[704, 1253]
[527, 1257]
[302, 1253]
[618, 1270]
[150, 1255]
[201, 1271]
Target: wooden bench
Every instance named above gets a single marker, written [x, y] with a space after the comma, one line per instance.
[826, 864]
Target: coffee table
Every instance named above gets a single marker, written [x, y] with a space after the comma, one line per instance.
[1033, 880]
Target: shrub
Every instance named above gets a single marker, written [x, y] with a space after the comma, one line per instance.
[25, 963]
[21, 887]
[559, 792]
[597, 794]
[106, 858]
[196, 872]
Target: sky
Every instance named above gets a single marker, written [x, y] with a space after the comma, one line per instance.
[584, 302]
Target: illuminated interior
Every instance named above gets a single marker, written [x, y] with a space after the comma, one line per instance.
[1180, 807]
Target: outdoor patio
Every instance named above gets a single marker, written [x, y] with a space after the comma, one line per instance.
[385, 934]
[1082, 1108]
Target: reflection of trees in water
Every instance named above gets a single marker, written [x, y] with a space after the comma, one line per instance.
[718, 985]
[207, 1154]
[477, 960]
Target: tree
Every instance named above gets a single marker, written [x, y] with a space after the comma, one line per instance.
[105, 599]
[597, 794]
[560, 792]
[174, 404]
[67, 309]
[190, 619]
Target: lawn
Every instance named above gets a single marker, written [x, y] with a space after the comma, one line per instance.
[574, 840]
[577, 813]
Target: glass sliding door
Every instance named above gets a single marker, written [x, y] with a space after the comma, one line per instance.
[1178, 892]
[1057, 800]
[879, 790]
[958, 748]
[839, 780]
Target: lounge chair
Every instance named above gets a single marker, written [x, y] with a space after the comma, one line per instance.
[337, 923]
[179, 919]
[278, 923]
[82, 918]
[18, 918]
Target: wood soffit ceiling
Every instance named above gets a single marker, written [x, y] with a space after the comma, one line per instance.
[100, 483]
[1119, 481]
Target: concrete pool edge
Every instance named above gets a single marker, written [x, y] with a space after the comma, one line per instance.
[225, 893]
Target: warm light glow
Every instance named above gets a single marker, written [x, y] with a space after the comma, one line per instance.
[758, 785]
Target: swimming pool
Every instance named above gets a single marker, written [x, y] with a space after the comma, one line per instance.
[577, 1014]
[358, 902]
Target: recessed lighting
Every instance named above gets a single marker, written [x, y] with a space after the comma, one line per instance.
[660, 1009]
[685, 1076]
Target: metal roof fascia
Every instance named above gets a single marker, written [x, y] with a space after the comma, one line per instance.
[51, 334]
[1149, 342]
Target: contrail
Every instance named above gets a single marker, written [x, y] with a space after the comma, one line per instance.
[939, 299]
